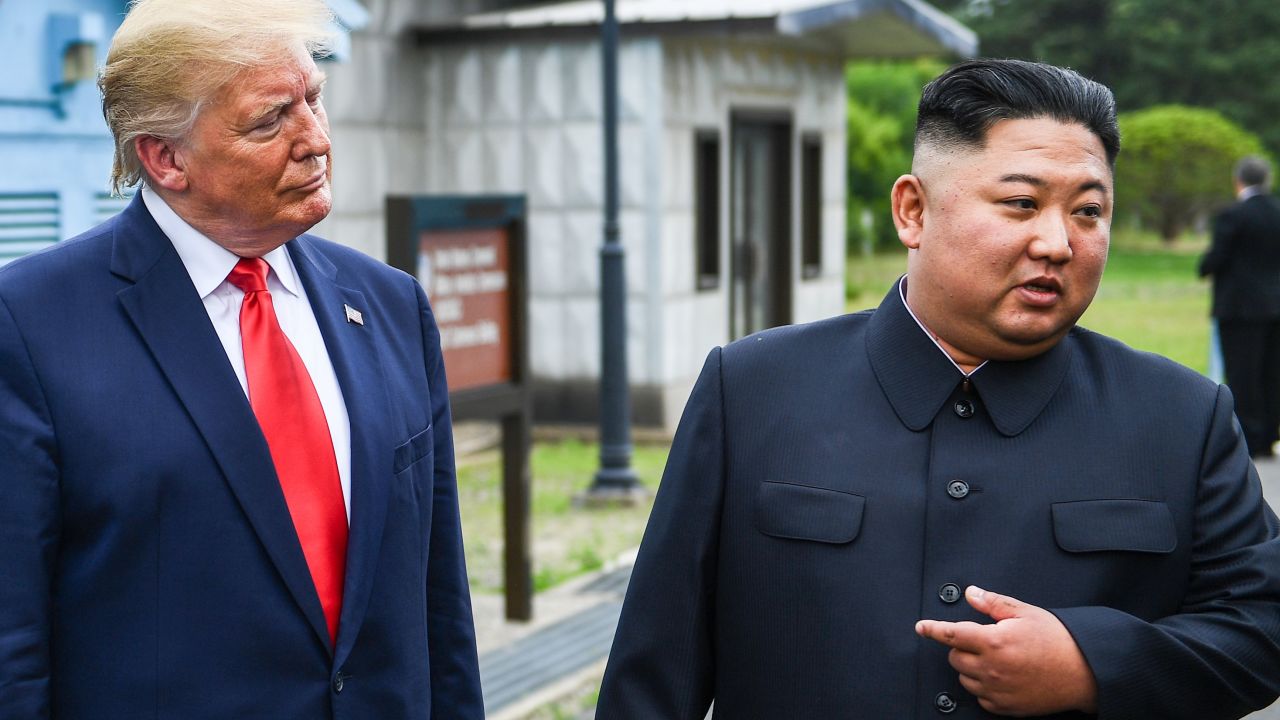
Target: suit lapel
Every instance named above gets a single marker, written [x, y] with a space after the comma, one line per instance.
[163, 306]
[353, 350]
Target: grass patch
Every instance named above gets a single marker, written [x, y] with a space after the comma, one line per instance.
[868, 277]
[567, 541]
[1152, 300]
[1150, 297]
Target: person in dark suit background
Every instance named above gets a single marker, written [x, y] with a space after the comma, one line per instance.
[960, 504]
[1244, 262]
[225, 445]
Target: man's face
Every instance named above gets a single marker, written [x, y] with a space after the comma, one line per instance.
[257, 160]
[1007, 242]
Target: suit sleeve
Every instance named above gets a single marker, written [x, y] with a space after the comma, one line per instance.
[1219, 656]
[661, 665]
[455, 673]
[1221, 245]
[29, 530]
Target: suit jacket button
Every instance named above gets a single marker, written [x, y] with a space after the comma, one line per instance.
[964, 408]
[958, 489]
[944, 703]
[950, 593]
[338, 682]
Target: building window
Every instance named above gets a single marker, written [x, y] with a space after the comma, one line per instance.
[107, 206]
[706, 211]
[810, 205]
[28, 222]
[79, 63]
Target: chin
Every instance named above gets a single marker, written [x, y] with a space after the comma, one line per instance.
[1028, 343]
[314, 209]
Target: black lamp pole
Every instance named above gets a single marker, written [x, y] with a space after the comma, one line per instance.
[615, 479]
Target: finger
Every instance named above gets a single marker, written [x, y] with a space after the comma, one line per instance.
[994, 605]
[966, 636]
[966, 663]
[973, 686]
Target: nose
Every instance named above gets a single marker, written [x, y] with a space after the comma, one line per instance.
[1052, 239]
[313, 134]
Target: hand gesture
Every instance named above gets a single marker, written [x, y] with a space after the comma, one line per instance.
[1026, 663]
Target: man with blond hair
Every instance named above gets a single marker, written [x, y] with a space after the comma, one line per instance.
[225, 446]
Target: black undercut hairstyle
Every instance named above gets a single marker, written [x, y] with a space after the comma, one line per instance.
[961, 105]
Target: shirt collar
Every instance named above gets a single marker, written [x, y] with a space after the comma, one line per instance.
[918, 380]
[207, 262]
[1251, 191]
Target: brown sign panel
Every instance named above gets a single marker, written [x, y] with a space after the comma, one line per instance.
[467, 276]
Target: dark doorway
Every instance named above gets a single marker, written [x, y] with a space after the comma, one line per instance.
[760, 222]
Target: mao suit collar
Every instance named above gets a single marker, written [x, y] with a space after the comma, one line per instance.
[918, 379]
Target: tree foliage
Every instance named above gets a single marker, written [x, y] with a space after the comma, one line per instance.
[1149, 52]
[1176, 164]
[881, 121]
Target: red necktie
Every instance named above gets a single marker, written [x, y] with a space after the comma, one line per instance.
[292, 419]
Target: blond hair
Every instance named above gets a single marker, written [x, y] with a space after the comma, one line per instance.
[169, 57]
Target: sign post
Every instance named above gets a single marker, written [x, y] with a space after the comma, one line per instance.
[469, 253]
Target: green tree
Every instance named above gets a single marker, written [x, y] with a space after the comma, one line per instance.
[1149, 52]
[881, 124]
[1176, 164]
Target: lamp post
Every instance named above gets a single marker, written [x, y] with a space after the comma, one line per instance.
[615, 481]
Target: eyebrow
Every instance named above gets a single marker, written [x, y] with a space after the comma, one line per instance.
[315, 84]
[1040, 182]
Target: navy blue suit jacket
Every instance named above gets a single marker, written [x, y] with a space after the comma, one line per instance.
[148, 564]
[829, 481]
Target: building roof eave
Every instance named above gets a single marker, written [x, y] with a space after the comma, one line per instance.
[850, 28]
[882, 28]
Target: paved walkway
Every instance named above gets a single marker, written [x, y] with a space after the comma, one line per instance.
[524, 666]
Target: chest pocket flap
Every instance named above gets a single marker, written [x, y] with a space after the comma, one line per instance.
[1144, 526]
[802, 512]
[413, 450]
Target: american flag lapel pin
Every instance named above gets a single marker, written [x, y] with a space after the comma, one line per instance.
[353, 315]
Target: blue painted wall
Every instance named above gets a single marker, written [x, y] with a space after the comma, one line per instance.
[55, 150]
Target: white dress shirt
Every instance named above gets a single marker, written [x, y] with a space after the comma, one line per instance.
[208, 264]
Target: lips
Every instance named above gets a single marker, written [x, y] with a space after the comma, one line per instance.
[314, 182]
[1043, 290]
[1044, 285]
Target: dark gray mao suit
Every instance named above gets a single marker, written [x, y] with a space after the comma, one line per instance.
[833, 483]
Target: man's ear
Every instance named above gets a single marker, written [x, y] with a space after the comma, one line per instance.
[162, 162]
[907, 209]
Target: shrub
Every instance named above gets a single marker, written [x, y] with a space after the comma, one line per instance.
[1176, 163]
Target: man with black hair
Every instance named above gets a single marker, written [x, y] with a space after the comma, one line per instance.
[1244, 260]
[839, 494]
